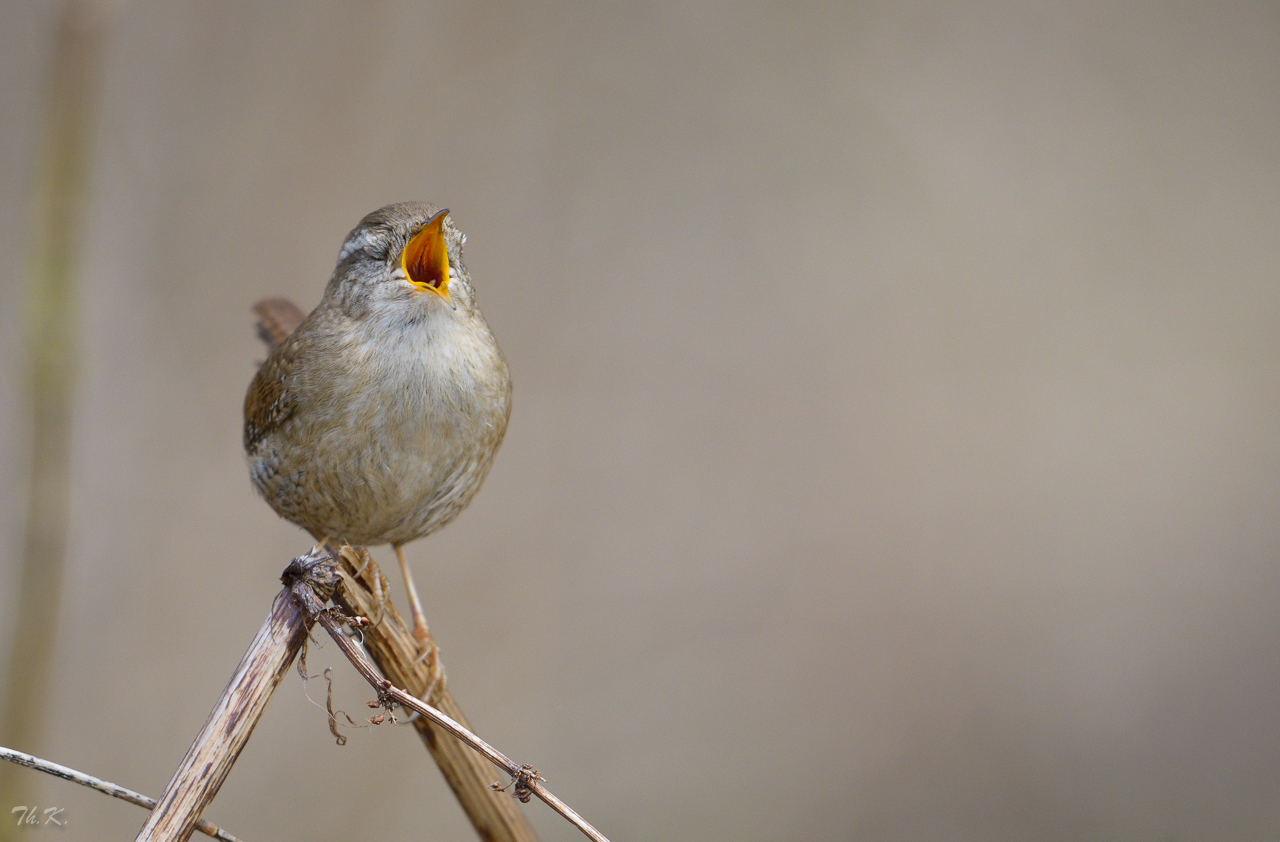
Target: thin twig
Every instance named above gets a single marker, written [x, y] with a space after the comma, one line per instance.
[115, 790]
[390, 643]
[525, 776]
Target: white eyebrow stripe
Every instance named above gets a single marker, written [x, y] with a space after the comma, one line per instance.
[356, 243]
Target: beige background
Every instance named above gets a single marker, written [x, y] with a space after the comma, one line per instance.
[895, 447]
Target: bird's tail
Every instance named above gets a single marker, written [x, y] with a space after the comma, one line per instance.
[277, 318]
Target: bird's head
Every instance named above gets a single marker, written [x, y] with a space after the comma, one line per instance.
[404, 259]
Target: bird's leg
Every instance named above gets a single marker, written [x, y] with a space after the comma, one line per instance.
[420, 632]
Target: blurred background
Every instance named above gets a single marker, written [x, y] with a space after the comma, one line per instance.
[895, 447]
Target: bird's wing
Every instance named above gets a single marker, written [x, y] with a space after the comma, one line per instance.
[268, 403]
[277, 318]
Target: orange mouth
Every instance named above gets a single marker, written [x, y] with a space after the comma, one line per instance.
[425, 259]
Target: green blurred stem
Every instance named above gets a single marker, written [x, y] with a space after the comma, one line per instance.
[57, 221]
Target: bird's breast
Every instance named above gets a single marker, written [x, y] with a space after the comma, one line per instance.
[391, 430]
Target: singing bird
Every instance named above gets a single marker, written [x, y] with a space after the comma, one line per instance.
[375, 419]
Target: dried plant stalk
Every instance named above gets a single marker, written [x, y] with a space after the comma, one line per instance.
[525, 779]
[225, 732]
[391, 645]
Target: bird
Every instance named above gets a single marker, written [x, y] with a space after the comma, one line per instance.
[376, 418]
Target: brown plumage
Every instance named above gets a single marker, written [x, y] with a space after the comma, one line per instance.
[376, 419]
[277, 318]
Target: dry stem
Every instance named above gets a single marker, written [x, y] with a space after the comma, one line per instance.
[225, 732]
[525, 778]
[115, 790]
[392, 646]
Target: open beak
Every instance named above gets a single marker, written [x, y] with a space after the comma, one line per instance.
[425, 259]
